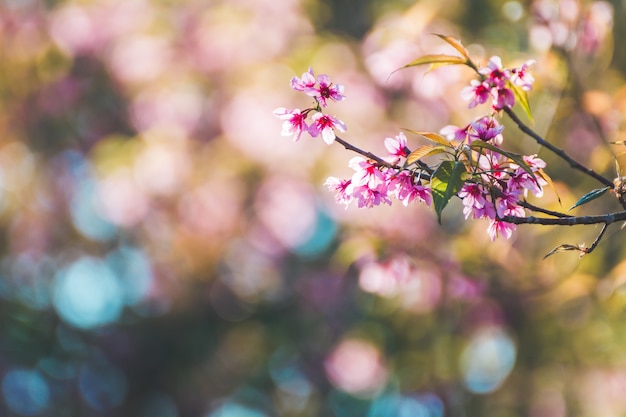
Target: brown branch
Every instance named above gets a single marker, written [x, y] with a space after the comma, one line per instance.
[380, 161]
[559, 152]
[568, 221]
[598, 239]
[366, 154]
[532, 207]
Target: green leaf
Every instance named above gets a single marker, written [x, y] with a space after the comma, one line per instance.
[591, 195]
[455, 43]
[435, 61]
[518, 159]
[522, 98]
[446, 181]
[564, 248]
[424, 151]
[434, 137]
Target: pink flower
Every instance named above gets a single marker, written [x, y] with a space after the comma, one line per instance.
[473, 197]
[397, 146]
[488, 129]
[367, 174]
[366, 197]
[520, 179]
[305, 84]
[405, 189]
[499, 228]
[341, 188]
[492, 163]
[326, 125]
[504, 98]
[294, 122]
[476, 93]
[327, 90]
[534, 163]
[454, 132]
[521, 77]
[497, 75]
[506, 205]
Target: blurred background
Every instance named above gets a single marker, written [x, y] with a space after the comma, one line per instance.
[166, 253]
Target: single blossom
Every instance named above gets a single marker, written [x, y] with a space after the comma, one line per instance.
[367, 174]
[397, 146]
[325, 125]
[496, 74]
[522, 77]
[340, 186]
[452, 132]
[473, 196]
[294, 122]
[305, 84]
[500, 228]
[487, 129]
[504, 97]
[476, 93]
[327, 90]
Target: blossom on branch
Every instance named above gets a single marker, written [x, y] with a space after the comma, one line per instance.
[325, 125]
[490, 181]
[294, 122]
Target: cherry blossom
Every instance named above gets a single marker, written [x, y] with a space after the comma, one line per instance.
[325, 125]
[397, 146]
[327, 90]
[305, 84]
[340, 186]
[493, 185]
[477, 93]
[487, 129]
[522, 77]
[294, 122]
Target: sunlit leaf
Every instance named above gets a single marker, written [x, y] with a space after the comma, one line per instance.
[455, 43]
[434, 137]
[518, 159]
[564, 248]
[522, 98]
[424, 151]
[542, 174]
[435, 60]
[447, 180]
[590, 196]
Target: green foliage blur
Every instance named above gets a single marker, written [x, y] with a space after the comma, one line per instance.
[165, 252]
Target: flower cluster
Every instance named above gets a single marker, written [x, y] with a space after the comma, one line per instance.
[322, 90]
[490, 181]
[373, 184]
[496, 83]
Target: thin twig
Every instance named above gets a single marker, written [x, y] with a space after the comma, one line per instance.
[533, 207]
[382, 162]
[595, 242]
[366, 154]
[574, 164]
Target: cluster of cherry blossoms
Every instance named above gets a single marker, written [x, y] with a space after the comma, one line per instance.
[495, 83]
[322, 90]
[471, 165]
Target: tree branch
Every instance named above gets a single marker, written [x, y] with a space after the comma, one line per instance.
[533, 207]
[574, 164]
[366, 154]
[380, 161]
[568, 221]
